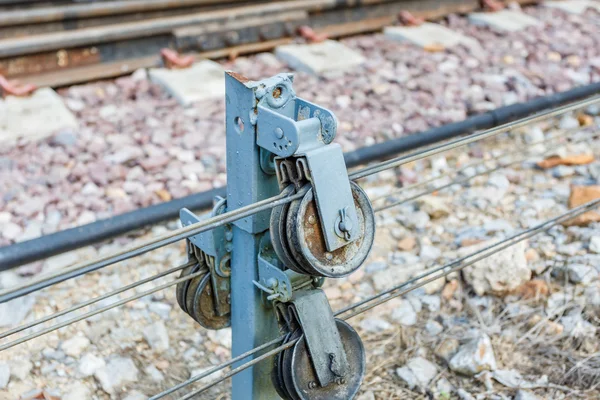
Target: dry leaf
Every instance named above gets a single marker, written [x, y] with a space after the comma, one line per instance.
[579, 159]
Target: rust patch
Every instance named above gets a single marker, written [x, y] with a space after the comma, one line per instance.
[277, 93]
[239, 77]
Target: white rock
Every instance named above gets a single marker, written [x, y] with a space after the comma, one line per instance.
[221, 337]
[431, 302]
[405, 314]
[474, 357]
[161, 309]
[433, 328]
[434, 206]
[78, 391]
[368, 395]
[577, 327]
[4, 375]
[429, 253]
[444, 388]
[525, 395]
[154, 373]
[20, 368]
[417, 372]
[595, 244]
[14, 312]
[581, 273]
[89, 364]
[499, 273]
[75, 346]
[375, 325]
[118, 372]
[135, 395]
[464, 395]
[157, 336]
[513, 379]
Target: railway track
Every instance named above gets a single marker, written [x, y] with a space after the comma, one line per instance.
[69, 43]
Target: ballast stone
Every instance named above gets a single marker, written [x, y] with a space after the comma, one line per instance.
[428, 35]
[573, 6]
[505, 20]
[319, 58]
[204, 80]
[34, 117]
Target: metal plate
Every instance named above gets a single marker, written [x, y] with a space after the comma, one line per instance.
[201, 305]
[308, 245]
[304, 379]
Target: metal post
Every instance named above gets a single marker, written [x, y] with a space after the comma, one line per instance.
[252, 322]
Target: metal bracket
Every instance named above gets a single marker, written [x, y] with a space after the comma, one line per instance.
[289, 126]
[322, 336]
[215, 246]
[273, 280]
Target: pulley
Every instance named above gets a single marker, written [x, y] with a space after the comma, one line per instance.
[298, 240]
[206, 297]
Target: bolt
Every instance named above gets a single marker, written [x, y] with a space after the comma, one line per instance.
[228, 235]
[312, 385]
[278, 133]
[312, 220]
[329, 256]
[272, 283]
[340, 381]
[229, 298]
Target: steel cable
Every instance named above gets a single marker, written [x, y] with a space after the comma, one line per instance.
[447, 269]
[93, 300]
[98, 311]
[432, 151]
[466, 179]
[474, 165]
[263, 205]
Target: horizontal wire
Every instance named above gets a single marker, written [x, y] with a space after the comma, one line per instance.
[263, 205]
[93, 300]
[136, 250]
[493, 249]
[432, 151]
[241, 368]
[218, 368]
[432, 271]
[251, 352]
[98, 311]
[476, 164]
[466, 179]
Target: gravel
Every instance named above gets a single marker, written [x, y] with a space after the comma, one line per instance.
[137, 147]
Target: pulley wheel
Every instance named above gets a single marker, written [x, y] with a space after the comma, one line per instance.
[286, 367]
[304, 381]
[277, 374]
[278, 230]
[201, 305]
[306, 241]
[181, 288]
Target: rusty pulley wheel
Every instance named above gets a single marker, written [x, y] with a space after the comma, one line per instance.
[307, 244]
[279, 236]
[182, 287]
[298, 380]
[200, 304]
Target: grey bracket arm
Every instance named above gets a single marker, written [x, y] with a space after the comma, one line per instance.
[292, 127]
